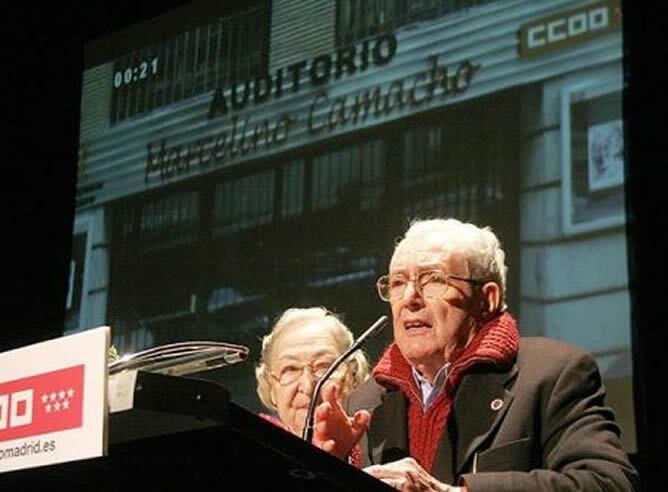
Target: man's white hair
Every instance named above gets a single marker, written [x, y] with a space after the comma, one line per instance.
[478, 247]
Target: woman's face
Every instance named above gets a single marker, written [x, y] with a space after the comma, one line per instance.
[299, 352]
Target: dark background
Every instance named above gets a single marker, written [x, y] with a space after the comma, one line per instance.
[42, 56]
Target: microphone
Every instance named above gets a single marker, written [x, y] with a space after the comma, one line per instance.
[373, 330]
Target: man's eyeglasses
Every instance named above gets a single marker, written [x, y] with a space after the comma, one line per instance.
[430, 284]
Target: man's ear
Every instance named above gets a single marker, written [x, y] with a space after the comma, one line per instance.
[491, 294]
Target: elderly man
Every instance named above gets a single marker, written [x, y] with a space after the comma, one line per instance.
[459, 402]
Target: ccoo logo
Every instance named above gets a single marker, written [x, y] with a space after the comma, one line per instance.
[40, 404]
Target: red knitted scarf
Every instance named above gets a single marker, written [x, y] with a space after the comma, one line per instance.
[495, 343]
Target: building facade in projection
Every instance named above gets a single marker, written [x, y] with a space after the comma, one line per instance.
[257, 159]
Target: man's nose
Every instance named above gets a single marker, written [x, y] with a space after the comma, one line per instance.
[412, 295]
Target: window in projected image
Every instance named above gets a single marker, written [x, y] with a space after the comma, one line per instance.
[267, 157]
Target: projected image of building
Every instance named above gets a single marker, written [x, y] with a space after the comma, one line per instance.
[234, 163]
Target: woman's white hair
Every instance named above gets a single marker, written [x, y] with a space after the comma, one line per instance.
[478, 247]
[356, 368]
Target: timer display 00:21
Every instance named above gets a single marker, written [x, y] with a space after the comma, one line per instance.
[134, 74]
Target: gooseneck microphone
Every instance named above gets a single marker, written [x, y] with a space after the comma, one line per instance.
[373, 330]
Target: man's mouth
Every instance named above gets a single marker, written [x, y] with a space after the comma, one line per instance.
[417, 324]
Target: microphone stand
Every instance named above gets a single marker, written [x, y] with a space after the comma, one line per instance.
[373, 330]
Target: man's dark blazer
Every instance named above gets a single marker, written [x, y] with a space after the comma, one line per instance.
[540, 425]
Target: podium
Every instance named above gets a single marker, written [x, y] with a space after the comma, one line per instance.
[186, 434]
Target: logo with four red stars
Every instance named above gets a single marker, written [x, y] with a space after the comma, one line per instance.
[40, 404]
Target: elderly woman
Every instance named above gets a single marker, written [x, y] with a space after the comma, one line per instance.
[302, 345]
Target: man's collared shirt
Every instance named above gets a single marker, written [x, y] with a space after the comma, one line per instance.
[430, 391]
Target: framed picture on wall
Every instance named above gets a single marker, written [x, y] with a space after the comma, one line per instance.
[592, 137]
[605, 155]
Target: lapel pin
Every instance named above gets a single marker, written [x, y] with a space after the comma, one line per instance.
[496, 404]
